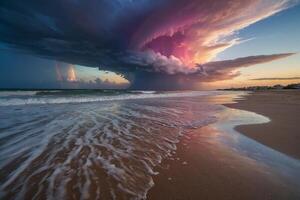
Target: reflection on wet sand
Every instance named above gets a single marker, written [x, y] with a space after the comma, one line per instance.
[161, 148]
[216, 162]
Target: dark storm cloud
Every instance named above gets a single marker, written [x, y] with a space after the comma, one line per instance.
[222, 70]
[92, 84]
[167, 37]
[90, 33]
[30, 72]
[209, 72]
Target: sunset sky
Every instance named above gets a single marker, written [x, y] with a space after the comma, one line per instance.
[166, 44]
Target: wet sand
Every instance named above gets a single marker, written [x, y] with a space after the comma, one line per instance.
[100, 156]
[212, 171]
[283, 108]
[205, 168]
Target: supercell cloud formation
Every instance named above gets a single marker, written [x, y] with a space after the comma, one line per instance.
[160, 41]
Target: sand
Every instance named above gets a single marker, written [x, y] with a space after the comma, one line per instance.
[211, 171]
[206, 169]
[283, 108]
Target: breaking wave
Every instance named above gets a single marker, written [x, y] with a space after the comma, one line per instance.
[29, 98]
[99, 150]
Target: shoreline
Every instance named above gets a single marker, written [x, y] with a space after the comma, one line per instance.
[207, 168]
[283, 109]
[187, 147]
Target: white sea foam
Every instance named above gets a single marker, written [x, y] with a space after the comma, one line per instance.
[16, 93]
[144, 91]
[13, 101]
[107, 149]
[111, 149]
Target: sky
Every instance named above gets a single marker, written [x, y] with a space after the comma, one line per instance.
[165, 44]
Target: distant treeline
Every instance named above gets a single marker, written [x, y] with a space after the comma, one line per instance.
[274, 87]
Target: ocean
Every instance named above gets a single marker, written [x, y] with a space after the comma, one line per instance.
[107, 144]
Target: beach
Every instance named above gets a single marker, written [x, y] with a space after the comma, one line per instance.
[137, 145]
[214, 171]
[283, 108]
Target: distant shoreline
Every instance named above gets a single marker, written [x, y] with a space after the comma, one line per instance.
[264, 88]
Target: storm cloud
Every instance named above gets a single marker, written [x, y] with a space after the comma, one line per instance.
[208, 72]
[176, 39]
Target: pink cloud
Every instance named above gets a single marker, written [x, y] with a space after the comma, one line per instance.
[195, 31]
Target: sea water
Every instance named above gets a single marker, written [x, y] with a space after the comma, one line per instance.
[97, 144]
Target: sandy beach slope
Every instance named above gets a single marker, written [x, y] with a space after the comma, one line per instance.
[205, 168]
[283, 108]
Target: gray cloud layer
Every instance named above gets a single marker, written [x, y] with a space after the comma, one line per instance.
[222, 70]
[209, 72]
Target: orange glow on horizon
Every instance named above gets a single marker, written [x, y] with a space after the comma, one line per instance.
[71, 74]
